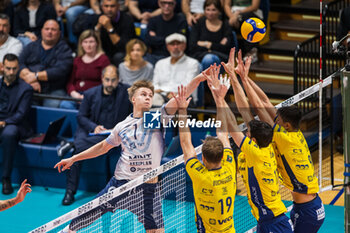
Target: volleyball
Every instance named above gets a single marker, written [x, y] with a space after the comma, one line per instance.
[253, 30]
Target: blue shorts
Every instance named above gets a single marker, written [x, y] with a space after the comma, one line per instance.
[151, 203]
[279, 224]
[309, 216]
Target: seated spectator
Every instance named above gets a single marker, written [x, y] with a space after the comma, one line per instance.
[87, 67]
[15, 101]
[211, 38]
[135, 67]
[162, 26]
[239, 11]
[71, 9]
[46, 63]
[6, 7]
[170, 72]
[102, 108]
[143, 10]
[95, 6]
[116, 28]
[8, 44]
[30, 17]
[193, 10]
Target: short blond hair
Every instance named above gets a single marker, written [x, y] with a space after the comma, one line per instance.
[137, 85]
[86, 34]
[130, 45]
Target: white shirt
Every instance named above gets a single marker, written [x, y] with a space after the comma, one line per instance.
[168, 77]
[196, 6]
[12, 45]
[142, 149]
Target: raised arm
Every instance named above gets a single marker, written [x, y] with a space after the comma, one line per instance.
[219, 97]
[184, 131]
[171, 106]
[22, 192]
[240, 97]
[94, 151]
[243, 70]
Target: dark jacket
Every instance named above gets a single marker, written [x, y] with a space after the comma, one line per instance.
[58, 64]
[89, 111]
[21, 21]
[20, 100]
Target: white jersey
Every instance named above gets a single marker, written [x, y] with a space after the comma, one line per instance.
[142, 149]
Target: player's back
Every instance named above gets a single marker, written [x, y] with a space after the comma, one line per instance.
[258, 169]
[214, 193]
[294, 161]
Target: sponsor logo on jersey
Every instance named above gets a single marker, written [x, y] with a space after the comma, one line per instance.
[139, 157]
[212, 221]
[320, 213]
[208, 192]
[222, 181]
[207, 208]
[133, 169]
[302, 166]
[140, 163]
[268, 180]
[223, 221]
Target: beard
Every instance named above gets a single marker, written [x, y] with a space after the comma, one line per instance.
[3, 35]
[109, 89]
[176, 53]
[10, 78]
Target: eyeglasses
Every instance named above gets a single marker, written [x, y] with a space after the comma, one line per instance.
[163, 3]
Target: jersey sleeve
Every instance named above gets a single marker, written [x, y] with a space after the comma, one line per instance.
[228, 155]
[280, 134]
[194, 168]
[165, 117]
[250, 149]
[114, 138]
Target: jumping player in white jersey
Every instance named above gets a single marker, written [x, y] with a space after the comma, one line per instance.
[142, 150]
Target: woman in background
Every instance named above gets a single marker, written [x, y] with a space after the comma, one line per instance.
[135, 67]
[211, 38]
[87, 67]
[29, 19]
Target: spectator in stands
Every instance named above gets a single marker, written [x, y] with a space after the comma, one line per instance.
[177, 69]
[8, 44]
[143, 10]
[135, 67]
[116, 28]
[21, 194]
[87, 67]
[6, 7]
[211, 38]
[237, 12]
[102, 108]
[193, 10]
[15, 100]
[95, 6]
[162, 26]
[71, 9]
[46, 63]
[29, 19]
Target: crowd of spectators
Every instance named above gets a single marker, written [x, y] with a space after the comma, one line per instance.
[88, 50]
[54, 61]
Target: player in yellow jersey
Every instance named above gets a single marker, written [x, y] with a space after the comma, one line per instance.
[256, 164]
[214, 181]
[294, 162]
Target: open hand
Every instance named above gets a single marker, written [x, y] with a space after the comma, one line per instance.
[181, 99]
[64, 164]
[23, 190]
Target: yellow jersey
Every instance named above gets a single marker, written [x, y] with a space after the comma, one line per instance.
[294, 162]
[258, 169]
[214, 194]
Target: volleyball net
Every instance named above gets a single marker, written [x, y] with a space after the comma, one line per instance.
[167, 205]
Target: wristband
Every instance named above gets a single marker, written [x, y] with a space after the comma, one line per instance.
[36, 76]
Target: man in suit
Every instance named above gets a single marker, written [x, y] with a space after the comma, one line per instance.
[15, 100]
[102, 108]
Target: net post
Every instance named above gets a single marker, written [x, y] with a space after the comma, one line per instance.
[345, 92]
